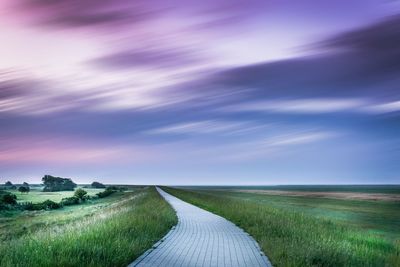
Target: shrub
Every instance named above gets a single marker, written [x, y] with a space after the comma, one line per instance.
[51, 204]
[80, 194]
[29, 206]
[69, 201]
[107, 192]
[8, 198]
[45, 205]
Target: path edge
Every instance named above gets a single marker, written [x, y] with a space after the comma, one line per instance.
[153, 247]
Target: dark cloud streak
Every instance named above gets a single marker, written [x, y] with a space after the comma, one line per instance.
[377, 43]
[153, 58]
[89, 13]
[363, 63]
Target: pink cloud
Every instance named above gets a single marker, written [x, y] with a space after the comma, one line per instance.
[69, 151]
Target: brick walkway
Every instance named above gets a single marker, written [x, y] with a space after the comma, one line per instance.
[202, 238]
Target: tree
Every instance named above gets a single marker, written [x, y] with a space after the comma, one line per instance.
[9, 198]
[23, 189]
[98, 185]
[9, 185]
[52, 184]
[80, 193]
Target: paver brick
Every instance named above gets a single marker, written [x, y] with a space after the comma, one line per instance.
[201, 239]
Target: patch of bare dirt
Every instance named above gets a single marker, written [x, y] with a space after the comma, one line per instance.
[337, 195]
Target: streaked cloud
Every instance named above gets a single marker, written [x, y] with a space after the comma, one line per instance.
[298, 139]
[149, 58]
[166, 89]
[203, 127]
[384, 107]
[306, 106]
[264, 148]
[316, 106]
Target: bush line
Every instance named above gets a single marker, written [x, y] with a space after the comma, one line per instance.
[8, 201]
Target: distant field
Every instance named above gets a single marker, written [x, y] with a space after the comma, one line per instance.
[111, 231]
[378, 189]
[37, 195]
[315, 194]
[380, 216]
[309, 231]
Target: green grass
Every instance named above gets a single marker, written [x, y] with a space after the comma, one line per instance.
[105, 232]
[290, 236]
[380, 217]
[15, 223]
[382, 189]
[36, 195]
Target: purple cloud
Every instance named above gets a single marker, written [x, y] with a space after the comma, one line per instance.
[364, 63]
[91, 13]
[378, 44]
[380, 37]
[150, 58]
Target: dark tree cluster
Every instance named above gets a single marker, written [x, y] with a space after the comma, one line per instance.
[52, 184]
[24, 188]
[98, 185]
[9, 185]
[8, 198]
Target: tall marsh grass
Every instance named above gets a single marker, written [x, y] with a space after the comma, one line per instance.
[113, 237]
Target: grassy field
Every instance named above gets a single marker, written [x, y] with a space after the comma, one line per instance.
[301, 231]
[384, 189]
[377, 217]
[112, 231]
[36, 194]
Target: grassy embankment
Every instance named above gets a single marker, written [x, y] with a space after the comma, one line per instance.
[105, 232]
[293, 237]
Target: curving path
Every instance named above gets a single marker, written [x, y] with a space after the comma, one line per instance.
[202, 238]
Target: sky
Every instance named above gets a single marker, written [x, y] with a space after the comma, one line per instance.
[213, 92]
